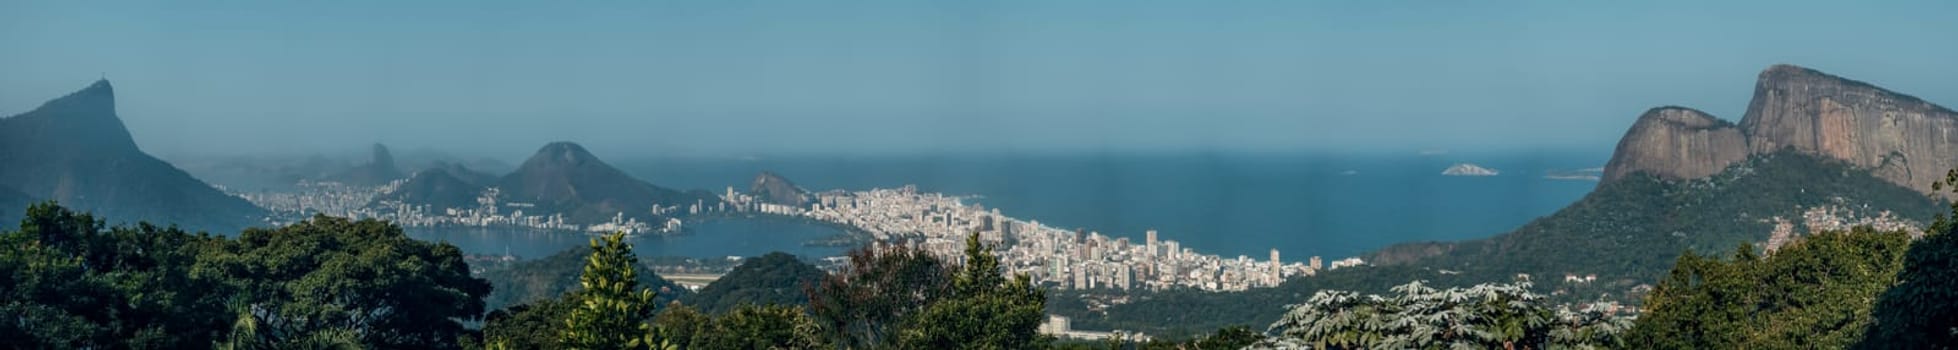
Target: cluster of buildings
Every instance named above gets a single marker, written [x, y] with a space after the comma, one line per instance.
[1062, 258]
[1836, 217]
[1069, 259]
[359, 202]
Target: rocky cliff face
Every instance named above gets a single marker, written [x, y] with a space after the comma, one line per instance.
[1676, 143]
[1900, 138]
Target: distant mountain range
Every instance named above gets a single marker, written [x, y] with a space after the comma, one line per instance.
[75, 149]
[562, 177]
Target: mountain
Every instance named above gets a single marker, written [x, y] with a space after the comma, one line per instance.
[565, 178]
[774, 189]
[75, 150]
[379, 171]
[1680, 180]
[437, 187]
[1899, 138]
[1676, 143]
[552, 276]
[774, 278]
[15, 203]
[464, 173]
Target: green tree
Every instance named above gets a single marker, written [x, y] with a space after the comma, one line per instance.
[533, 325]
[760, 327]
[861, 306]
[325, 277]
[1921, 311]
[1816, 292]
[68, 281]
[612, 312]
[1484, 316]
[985, 311]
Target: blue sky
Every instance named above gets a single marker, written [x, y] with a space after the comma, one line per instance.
[753, 77]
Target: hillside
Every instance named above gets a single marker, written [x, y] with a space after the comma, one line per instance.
[75, 150]
[436, 187]
[774, 278]
[552, 276]
[563, 177]
[774, 189]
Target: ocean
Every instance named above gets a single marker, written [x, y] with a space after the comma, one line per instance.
[1225, 204]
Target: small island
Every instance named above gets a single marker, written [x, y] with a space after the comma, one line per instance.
[1466, 169]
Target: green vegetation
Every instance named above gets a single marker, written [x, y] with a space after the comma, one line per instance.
[552, 276]
[1485, 316]
[904, 298]
[1921, 310]
[772, 279]
[1815, 292]
[69, 282]
[611, 311]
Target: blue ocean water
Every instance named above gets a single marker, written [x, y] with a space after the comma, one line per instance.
[1226, 204]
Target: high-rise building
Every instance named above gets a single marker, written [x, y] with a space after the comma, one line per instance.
[1277, 270]
[1315, 264]
[1149, 245]
[1172, 248]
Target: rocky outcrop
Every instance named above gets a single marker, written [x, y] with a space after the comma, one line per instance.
[1676, 143]
[774, 189]
[380, 171]
[1899, 138]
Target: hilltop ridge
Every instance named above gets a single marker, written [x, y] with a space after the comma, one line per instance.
[76, 150]
[1900, 138]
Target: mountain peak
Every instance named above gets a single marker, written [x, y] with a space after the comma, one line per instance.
[775, 189]
[1677, 143]
[561, 152]
[1683, 116]
[382, 156]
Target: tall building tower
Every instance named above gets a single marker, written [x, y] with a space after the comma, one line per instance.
[1315, 263]
[1173, 249]
[1277, 270]
[1149, 245]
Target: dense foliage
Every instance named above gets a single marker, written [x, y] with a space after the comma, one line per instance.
[905, 298]
[747, 326]
[772, 279]
[1416, 316]
[1815, 292]
[1921, 310]
[611, 311]
[552, 276]
[72, 283]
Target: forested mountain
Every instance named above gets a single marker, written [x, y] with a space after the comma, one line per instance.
[75, 150]
[551, 276]
[436, 187]
[773, 279]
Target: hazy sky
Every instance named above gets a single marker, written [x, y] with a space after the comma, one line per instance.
[747, 77]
